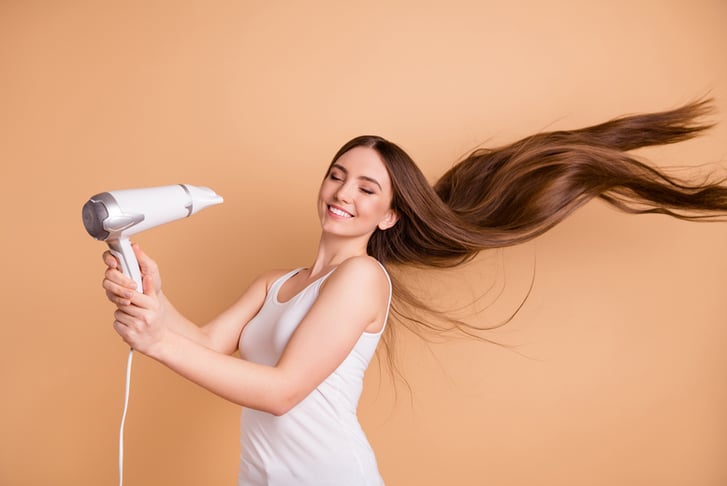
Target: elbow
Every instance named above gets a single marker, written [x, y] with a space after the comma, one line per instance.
[287, 397]
[279, 411]
[283, 404]
[279, 393]
[274, 403]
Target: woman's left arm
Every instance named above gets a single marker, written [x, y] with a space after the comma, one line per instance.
[354, 297]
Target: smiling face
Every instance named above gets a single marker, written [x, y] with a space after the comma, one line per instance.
[355, 197]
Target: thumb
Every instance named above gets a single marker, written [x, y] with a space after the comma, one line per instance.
[147, 282]
[146, 264]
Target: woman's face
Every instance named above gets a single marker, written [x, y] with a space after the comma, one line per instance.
[355, 197]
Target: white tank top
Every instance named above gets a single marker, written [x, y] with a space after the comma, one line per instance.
[319, 441]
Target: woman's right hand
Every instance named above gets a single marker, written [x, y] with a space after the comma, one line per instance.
[119, 287]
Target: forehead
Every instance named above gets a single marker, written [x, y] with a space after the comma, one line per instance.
[366, 162]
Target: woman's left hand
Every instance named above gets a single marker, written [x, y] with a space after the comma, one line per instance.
[141, 323]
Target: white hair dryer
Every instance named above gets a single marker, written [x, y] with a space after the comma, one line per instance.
[115, 216]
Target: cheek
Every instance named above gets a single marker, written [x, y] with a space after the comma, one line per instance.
[323, 191]
[378, 209]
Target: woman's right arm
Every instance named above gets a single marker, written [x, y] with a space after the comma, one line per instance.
[222, 334]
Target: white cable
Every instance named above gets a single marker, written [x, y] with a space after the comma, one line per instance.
[123, 417]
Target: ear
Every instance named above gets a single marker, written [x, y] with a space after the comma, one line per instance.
[388, 220]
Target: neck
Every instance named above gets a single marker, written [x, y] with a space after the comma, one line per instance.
[332, 251]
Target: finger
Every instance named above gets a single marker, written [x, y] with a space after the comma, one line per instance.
[132, 313]
[139, 316]
[119, 291]
[123, 331]
[119, 327]
[119, 278]
[143, 301]
[147, 283]
[125, 319]
[146, 264]
[114, 280]
[115, 299]
[132, 317]
[110, 260]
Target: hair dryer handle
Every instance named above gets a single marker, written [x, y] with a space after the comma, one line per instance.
[123, 251]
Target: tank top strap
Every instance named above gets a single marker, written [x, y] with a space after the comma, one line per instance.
[275, 287]
[320, 280]
[391, 290]
[388, 305]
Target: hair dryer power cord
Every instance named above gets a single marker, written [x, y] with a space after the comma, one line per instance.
[123, 416]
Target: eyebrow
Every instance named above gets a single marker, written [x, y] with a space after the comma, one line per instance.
[366, 178]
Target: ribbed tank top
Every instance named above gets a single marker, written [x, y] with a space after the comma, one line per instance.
[319, 441]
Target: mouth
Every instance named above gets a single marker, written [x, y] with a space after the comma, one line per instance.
[336, 211]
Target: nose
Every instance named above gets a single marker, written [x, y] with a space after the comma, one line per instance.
[343, 193]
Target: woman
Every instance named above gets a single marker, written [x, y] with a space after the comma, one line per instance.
[306, 336]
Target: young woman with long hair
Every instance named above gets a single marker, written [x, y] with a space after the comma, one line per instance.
[305, 336]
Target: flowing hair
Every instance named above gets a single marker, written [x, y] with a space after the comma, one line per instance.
[500, 197]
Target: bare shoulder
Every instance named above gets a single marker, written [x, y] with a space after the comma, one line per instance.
[363, 266]
[362, 273]
[363, 286]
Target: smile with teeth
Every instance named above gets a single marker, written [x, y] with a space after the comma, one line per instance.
[339, 212]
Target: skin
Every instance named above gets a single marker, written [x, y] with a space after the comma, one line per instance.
[354, 199]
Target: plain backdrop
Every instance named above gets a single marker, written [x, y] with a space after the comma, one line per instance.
[617, 372]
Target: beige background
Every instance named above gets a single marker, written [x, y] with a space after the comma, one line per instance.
[622, 376]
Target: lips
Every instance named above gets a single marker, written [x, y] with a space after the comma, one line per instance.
[339, 212]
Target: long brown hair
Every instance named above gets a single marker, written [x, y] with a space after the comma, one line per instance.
[505, 196]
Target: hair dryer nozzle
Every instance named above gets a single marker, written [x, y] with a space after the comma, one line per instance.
[202, 197]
